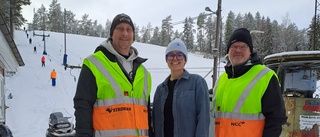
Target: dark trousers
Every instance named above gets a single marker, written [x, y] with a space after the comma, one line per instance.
[53, 81]
[43, 64]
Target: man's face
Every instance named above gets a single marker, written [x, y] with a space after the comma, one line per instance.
[239, 53]
[122, 38]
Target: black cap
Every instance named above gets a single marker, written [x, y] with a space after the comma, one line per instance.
[120, 18]
[243, 35]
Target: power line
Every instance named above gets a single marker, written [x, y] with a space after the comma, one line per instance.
[193, 18]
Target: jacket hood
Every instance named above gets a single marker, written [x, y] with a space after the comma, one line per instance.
[127, 64]
[133, 51]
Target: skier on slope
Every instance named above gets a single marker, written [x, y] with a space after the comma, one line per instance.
[43, 61]
[53, 77]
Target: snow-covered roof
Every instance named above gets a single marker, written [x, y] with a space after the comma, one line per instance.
[293, 53]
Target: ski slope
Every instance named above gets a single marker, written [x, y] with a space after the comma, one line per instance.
[34, 99]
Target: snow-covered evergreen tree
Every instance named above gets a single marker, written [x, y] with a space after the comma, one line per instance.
[12, 8]
[155, 39]
[166, 31]
[146, 33]
[188, 33]
[55, 16]
[41, 19]
[200, 35]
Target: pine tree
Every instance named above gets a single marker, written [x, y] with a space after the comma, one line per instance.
[210, 36]
[200, 34]
[107, 28]
[229, 28]
[146, 33]
[188, 33]
[41, 19]
[155, 39]
[55, 16]
[11, 12]
[314, 33]
[136, 34]
[70, 22]
[85, 25]
[166, 31]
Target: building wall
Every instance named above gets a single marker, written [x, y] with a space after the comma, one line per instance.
[2, 101]
[8, 66]
[7, 59]
[10, 60]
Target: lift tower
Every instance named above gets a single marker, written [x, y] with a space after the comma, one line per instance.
[44, 41]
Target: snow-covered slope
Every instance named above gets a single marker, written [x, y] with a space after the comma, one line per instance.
[34, 99]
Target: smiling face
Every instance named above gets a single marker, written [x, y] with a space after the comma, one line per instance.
[122, 38]
[239, 53]
[175, 60]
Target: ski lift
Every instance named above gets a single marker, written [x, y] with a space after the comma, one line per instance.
[74, 77]
[71, 67]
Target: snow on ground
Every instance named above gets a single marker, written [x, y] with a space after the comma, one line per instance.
[34, 99]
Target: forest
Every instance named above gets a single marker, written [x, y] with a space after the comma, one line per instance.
[269, 36]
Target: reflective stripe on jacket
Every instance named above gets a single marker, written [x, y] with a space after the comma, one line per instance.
[121, 107]
[239, 114]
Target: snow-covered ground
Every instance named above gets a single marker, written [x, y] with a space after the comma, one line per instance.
[34, 99]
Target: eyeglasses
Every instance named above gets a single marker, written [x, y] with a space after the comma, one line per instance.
[170, 56]
[242, 48]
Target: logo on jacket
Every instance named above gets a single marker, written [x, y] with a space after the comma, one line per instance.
[237, 124]
[118, 109]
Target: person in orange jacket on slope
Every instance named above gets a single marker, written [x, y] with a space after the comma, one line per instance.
[53, 77]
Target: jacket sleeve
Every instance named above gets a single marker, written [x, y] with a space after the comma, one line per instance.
[273, 109]
[203, 108]
[150, 119]
[84, 100]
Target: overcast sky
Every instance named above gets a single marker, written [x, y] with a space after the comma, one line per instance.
[143, 11]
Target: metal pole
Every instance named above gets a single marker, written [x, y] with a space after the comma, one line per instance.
[44, 40]
[315, 25]
[64, 26]
[33, 19]
[216, 45]
[44, 43]
[65, 39]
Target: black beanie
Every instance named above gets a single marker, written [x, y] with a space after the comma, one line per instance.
[243, 35]
[121, 18]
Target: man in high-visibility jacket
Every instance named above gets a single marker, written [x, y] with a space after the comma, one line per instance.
[112, 96]
[247, 99]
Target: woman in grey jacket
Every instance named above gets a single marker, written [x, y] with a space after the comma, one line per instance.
[181, 102]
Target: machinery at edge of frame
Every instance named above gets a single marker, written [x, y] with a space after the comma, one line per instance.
[299, 73]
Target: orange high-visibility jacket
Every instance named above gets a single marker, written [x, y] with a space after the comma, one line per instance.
[237, 104]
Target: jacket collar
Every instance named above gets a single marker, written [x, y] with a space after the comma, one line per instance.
[185, 75]
[237, 71]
